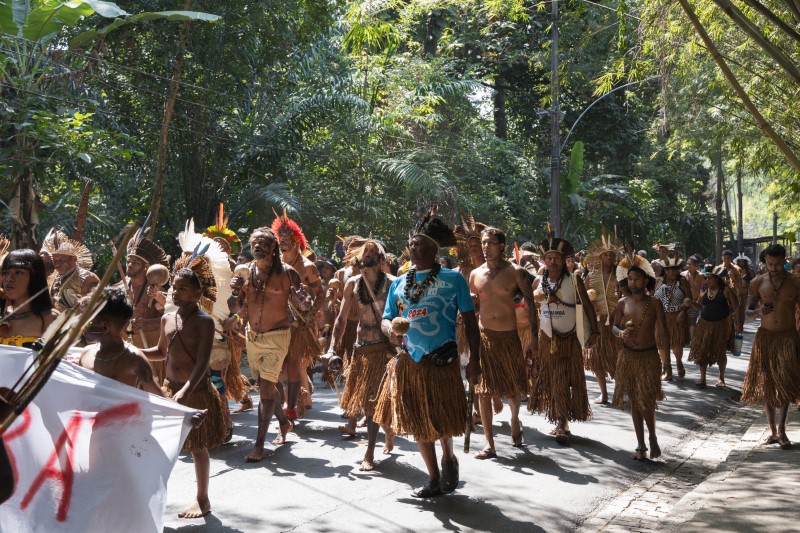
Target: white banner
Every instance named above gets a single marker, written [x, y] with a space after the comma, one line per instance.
[89, 453]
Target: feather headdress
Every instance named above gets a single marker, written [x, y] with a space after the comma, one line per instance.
[673, 260]
[468, 229]
[142, 247]
[4, 244]
[435, 229]
[57, 243]
[605, 302]
[631, 260]
[220, 230]
[283, 225]
[555, 244]
[208, 260]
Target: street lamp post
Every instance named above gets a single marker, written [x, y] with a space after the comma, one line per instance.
[555, 120]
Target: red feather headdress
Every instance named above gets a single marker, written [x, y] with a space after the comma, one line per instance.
[283, 225]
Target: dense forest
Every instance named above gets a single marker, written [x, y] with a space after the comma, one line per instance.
[356, 116]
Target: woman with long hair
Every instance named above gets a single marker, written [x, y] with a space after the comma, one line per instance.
[23, 277]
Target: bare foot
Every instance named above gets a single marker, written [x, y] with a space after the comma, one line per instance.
[367, 465]
[198, 509]
[667, 376]
[281, 439]
[602, 399]
[720, 384]
[640, 454]
[476, 419]
[681, 370]
[256, 456]
[655, 449]
[497, 404]
[701, 384]
[348, 431]
[362, 423]
[389, 445]
[245, 405]
[772, 439]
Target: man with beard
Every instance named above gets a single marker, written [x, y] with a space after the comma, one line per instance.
[773, 374]
[560, 388]
[263, 307]
[496, 282]
[304, 347]
[638, 383]
[147, 299]
[424, 394]
[372, 348]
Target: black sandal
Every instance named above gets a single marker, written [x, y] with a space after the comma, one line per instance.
[449, 475]
[431, 490]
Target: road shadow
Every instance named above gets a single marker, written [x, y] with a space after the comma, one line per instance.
[210, 524]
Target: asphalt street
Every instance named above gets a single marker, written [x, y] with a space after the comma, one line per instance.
[312, 483]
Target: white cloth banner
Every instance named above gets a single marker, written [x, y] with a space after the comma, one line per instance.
[89, 453]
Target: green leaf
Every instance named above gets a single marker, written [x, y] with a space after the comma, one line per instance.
[12, 16]
[90, 36]
[575, 168]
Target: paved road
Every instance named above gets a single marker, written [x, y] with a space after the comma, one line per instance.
[313, 484]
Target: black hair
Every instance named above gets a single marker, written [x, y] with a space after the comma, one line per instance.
[528, 246]
[651, 282]
[495, 232]
[727, 252]
[246, 255]
[189, 275]
[277, 264]
[118, 309]
[775, 250]
[448, 260]
[30, 260]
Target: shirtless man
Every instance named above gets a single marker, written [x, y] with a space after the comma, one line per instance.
[696, 281]
[304, 348]
[736, 282]
[372, 345]
[262, 306]
[185, 342]
[110, 355]
[773, 374]
[638, 380]
[496, 282]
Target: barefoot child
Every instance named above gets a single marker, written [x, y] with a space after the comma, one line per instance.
[638, 372]
[185, 342]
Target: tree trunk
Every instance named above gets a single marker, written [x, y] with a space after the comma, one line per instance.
[739, 215]
[163, 140]
[718, 202]
[728, 217]
[500, 118]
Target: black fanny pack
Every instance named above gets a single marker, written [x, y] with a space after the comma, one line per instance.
[444, 355]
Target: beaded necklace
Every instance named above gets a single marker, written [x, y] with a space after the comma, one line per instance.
[363, 296]
[419, 288]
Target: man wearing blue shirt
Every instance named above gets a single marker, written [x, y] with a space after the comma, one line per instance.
[425, 395]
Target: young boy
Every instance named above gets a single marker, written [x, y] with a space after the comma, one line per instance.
[110, 355]
[185, 343]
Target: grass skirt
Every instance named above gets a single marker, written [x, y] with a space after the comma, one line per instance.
[502, 364]
[367, 368]
[303, 346]
[526, 340]
[710, 341]
[236, 384]
[601, 360]
[638, 381]
[422, 400]
[345, 346]
[559, 390]
[212, 431]
[678, 329]
[773, 375]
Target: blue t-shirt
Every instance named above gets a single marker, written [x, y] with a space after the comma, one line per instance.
[433, 318]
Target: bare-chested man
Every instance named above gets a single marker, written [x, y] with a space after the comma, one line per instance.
[638, 380]
[147, 299]
[696, 281]
[263, 307]
[185, 343]
[304, 347]
[496, 282]
[372, 347]
[773, 374]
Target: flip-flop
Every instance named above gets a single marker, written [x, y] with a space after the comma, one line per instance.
[772, 439]
[486, 454]
[449, 475]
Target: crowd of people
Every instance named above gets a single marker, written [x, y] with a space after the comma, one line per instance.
[403, 332]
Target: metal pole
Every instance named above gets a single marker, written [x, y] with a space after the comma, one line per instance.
[555, 119]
